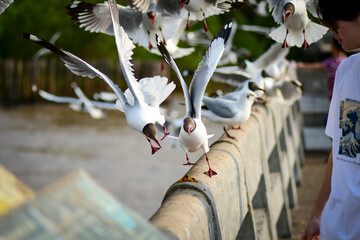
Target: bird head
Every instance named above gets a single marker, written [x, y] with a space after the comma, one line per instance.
[254, 87]
[151, 15]
[189, 125]
[150, 131]
[289, 9]
[182, 2]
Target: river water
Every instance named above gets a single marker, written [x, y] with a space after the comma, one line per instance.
[44, 142]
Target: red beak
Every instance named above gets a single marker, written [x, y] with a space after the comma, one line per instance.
[188, 130]
[182, 4]
[152, 19]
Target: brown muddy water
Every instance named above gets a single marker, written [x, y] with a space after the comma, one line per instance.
[42, 143]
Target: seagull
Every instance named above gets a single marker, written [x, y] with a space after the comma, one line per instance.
[140, 26]
[232, 112]
[82, 103]
[193, 134]
[105, 96]
[44, 51]
[4, 4]
[167, 7]
[296, 29]
[201, 9]
[140, 102]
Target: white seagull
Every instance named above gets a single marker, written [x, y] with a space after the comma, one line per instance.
[193, 134]
[4, 4]
[223, 110]
[201, 9]
[141, 100]
[80, 104]
[167, 7]
[296, 28]
[140, 26]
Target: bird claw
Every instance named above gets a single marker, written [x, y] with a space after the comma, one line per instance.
[305, 44]
[210, 173]
[165, 134]
[285, 45]
[189, 164]
[154, 149]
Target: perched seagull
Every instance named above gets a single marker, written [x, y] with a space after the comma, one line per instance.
[193, 135]
[296, 29]
[141, 100]
[140, 26]
[82, 103]
[44, 51]
[4, 4]
[228, 111]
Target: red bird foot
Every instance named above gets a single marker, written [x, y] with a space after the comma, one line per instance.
[305, 45]
[165, 133]
[210, 173]
[189, 164]
[150, 46]
[154, 149]
[285, 45]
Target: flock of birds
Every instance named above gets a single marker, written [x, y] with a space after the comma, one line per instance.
[158, 25]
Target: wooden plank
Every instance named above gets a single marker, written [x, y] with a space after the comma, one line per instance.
[75, 208]
[12, 191]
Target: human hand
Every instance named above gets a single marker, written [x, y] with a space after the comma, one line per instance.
[312, 229]
[300, 64]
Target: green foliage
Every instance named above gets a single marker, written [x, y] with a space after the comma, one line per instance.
[44, 18]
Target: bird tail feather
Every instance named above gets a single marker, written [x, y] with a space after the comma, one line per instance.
[278, 34]
[314, 32]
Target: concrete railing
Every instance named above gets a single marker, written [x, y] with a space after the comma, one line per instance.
[255, 188]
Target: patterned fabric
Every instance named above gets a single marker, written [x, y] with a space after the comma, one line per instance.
[331, 64]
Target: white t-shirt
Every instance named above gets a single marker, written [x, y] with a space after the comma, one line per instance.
[341, 215]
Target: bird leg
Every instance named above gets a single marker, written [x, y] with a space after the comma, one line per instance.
[210, 172]
[150, 45]
[305, 44]
[237, 128]
[285, 45]
[205, 25]
[153, 149]
[188, 162]
[164, 41]
[187, 22]
[165, 133]
[228, 134]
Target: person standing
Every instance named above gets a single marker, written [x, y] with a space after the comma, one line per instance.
[336, 211]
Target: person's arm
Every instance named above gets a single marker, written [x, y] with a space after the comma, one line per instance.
[313, 226]
[314, 66]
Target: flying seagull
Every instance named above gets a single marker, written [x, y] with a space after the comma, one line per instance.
[193, 134]
[140, 102]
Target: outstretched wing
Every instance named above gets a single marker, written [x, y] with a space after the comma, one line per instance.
[276, 6]
[96, 17]
[5, 3]
[124, 46]
[207, 67]
[169, 60]
[76, 65]
[53, 98]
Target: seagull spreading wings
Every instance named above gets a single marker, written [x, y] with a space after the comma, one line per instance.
[140, 26]
[193, 135]
[296, 29]
[4, 4]
[82, 103]
[167, 7]
[140, 102]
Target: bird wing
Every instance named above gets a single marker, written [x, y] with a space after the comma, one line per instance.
[169, 60]
[272, 56]
[5, 3]
[124, 46]
[207, 67]
[142, 5]
[76, 65]
[58, 99]
[169, 7]
[96, 17]
[311, 6]
[104, 105]
[221, 107]
[276, 6]
[234, 80]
